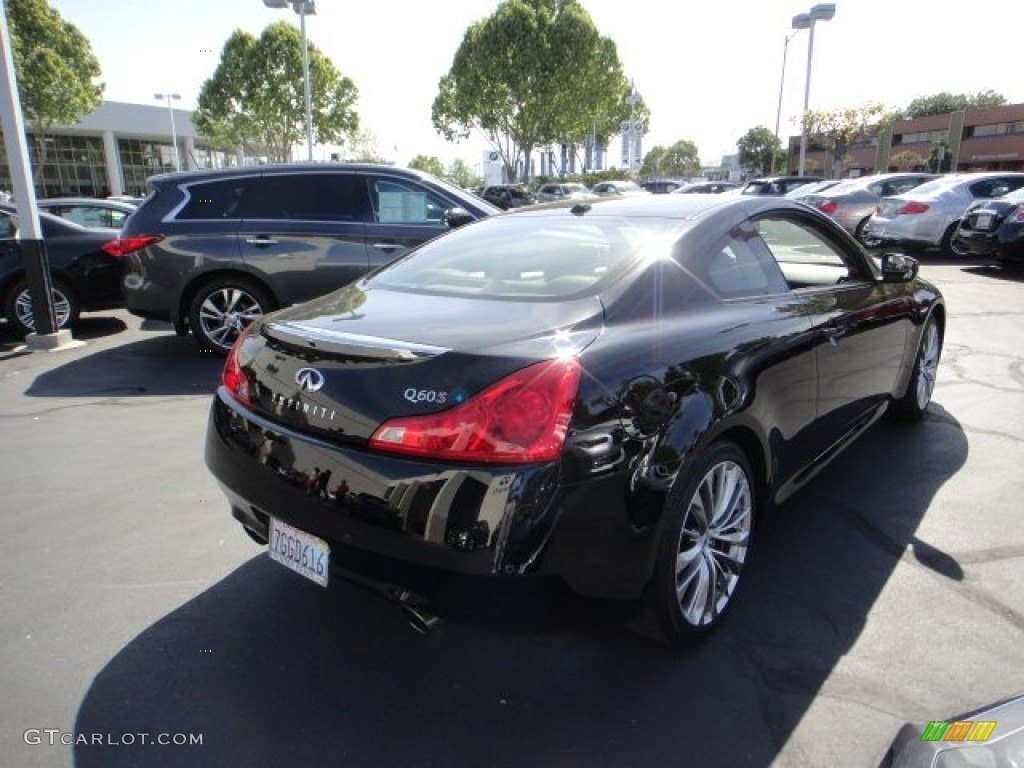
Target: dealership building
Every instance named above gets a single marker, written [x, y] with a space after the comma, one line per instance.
[113, 150]
[987, 139]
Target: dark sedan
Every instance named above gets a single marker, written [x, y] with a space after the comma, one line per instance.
[995, 229]
[85, 265]
[603, 396]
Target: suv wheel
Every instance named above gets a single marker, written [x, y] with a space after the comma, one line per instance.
[222, 308]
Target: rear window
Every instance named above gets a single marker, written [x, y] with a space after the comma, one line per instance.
[527, 258]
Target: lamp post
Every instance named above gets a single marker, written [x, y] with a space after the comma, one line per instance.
[820, 12]
[303, 8]
[782, 81]
[169, 97]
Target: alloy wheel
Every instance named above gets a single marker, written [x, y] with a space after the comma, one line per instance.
[713, 543]
[62, 308]
[226, 312]
[928, 365]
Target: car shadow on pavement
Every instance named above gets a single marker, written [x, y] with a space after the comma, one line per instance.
[999, 273]
[159, 365]
[273, 670]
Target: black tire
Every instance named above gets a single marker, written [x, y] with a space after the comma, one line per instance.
[222, 308]
[915, 401]
[18, 306]
[950, 245]
[858, 233]
[689, 597]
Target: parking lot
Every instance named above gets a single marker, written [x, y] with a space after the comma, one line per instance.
[887, 591]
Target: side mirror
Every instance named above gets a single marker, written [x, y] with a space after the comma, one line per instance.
[898, 268]
[456, 217]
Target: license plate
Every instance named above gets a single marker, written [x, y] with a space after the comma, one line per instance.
[983, 221]
[304, 553]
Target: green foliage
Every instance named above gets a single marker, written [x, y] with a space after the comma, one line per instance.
[256, 95]
[364, 148]
[55, 66]
[680, 160]
[460, 173]
[533, 73]
[838, 130]
[652, 161]
[758, 149]
[428, 164]
[946, 102]
[906, 160]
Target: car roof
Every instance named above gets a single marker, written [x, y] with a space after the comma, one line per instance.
[285, 168]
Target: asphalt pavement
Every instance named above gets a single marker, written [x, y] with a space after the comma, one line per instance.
[135, 611]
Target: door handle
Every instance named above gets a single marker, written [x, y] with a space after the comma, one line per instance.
[386, 246]
[261, 241]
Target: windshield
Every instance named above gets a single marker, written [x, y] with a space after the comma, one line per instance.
[523, 257]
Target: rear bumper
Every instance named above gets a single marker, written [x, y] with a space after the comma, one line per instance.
[904, 230]
[393, 519]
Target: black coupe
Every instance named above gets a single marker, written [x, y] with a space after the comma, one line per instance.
[605, 396]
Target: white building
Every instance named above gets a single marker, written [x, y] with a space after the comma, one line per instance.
[113, 150]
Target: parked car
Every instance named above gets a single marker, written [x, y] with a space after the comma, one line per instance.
[547, 193]
[606, 397]
[928, 215]
[706, 188]
[994, 229]
[812, 188]
[507, 196]
[85, 268]
[89, 212]
[853, 201]
[777, 185]
[620, 188]
[662, 186]
[212, 250]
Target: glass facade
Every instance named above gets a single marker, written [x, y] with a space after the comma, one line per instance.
[64, 166]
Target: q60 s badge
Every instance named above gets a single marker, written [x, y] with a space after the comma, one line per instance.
[433, 396]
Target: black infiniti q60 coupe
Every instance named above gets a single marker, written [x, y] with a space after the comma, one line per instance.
[605, 396]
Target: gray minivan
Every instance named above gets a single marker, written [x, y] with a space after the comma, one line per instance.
[209, 251]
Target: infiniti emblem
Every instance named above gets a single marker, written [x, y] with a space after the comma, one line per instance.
[309, 379]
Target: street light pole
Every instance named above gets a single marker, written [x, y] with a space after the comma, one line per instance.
[303, 8]
[782, 85]
[820, 12]
[174, 133]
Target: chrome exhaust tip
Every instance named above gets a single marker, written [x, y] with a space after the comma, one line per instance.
[419, 618]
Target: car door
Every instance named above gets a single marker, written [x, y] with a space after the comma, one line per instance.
[860, 324]
[304, 233]
[405, 214]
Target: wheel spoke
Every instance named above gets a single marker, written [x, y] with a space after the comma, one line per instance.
[713, 543]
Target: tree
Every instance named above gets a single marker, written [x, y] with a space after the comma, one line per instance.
[653, 161]
[429, 164]
[56, 68]
[906, 160]
[758, 150]
[256, 95]
[946, 102]
[681, 159]
[460, 173]
[364, 147]
[532, 74]
[838, 130]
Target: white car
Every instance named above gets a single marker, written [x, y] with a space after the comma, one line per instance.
[622, 188]
[567, 191]
[928, 215]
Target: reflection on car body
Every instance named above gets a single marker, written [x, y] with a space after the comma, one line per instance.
[627, 386]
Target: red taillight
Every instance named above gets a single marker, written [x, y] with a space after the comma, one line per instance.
[1017, 215]
[828, 206]
[522, 418]
[122, 246]
[911, 208]
[232, 377]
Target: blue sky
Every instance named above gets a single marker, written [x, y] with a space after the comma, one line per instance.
[709, 70]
